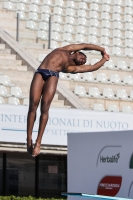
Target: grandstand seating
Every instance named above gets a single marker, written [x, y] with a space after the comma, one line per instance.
[113, 108]
[13, 101]
[88, 77]
[17, 92]
[79, 90]
[127, 109]
[2, 101]
[5, 80]
[94, 92]
[105, 23]
[26, 101]
[3, 91]
[114, 78]
[98, 107]
[108, 93]
[91, 9]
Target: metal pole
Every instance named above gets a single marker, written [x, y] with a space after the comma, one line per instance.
[49, 35]
[36, 176]
[4, 175]
[17, 31]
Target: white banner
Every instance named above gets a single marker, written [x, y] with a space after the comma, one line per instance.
[61, 121]
[101, 163]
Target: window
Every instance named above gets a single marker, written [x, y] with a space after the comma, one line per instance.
[20, 174]
[52, 175]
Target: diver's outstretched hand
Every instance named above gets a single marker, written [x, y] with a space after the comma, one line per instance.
[105, 55]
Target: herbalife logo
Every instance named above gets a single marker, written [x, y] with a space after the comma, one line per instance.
[108, 159]
[108, 154]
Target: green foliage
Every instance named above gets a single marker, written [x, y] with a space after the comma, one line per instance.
[25, 198]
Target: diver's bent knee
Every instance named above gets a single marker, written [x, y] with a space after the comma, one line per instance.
[45, 107]
[33, 106]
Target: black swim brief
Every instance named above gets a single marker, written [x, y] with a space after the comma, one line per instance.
[46, 73]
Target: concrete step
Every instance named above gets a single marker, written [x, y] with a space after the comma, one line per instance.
[23, 83]
[106, 102]
[108, 72]
[2, 46]
[71, 85]
[39, 51]
[55, 97]
[14, 68]
[66, 83]
[27, 89]
[36, 52]
[22, 30]
[57, 103]
[5, 14]
[7, 57]
[23, 35]
[10, 62]
[90, 103]
[18, 74]
[43, 41]
[11, 23]
[5, 51]
[67, 106]
[31, 45]
[27, 40]
[53, 104]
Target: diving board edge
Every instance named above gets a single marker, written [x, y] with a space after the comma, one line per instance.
[93, 196]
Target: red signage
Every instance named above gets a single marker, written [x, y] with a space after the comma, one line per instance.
[109, 185]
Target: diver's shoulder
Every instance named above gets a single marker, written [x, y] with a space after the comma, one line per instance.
[59, 50]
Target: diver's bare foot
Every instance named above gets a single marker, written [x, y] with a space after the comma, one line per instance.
[36, 150]
[29, 147]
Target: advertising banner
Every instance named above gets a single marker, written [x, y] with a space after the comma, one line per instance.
[61, 121]
[101, 164]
